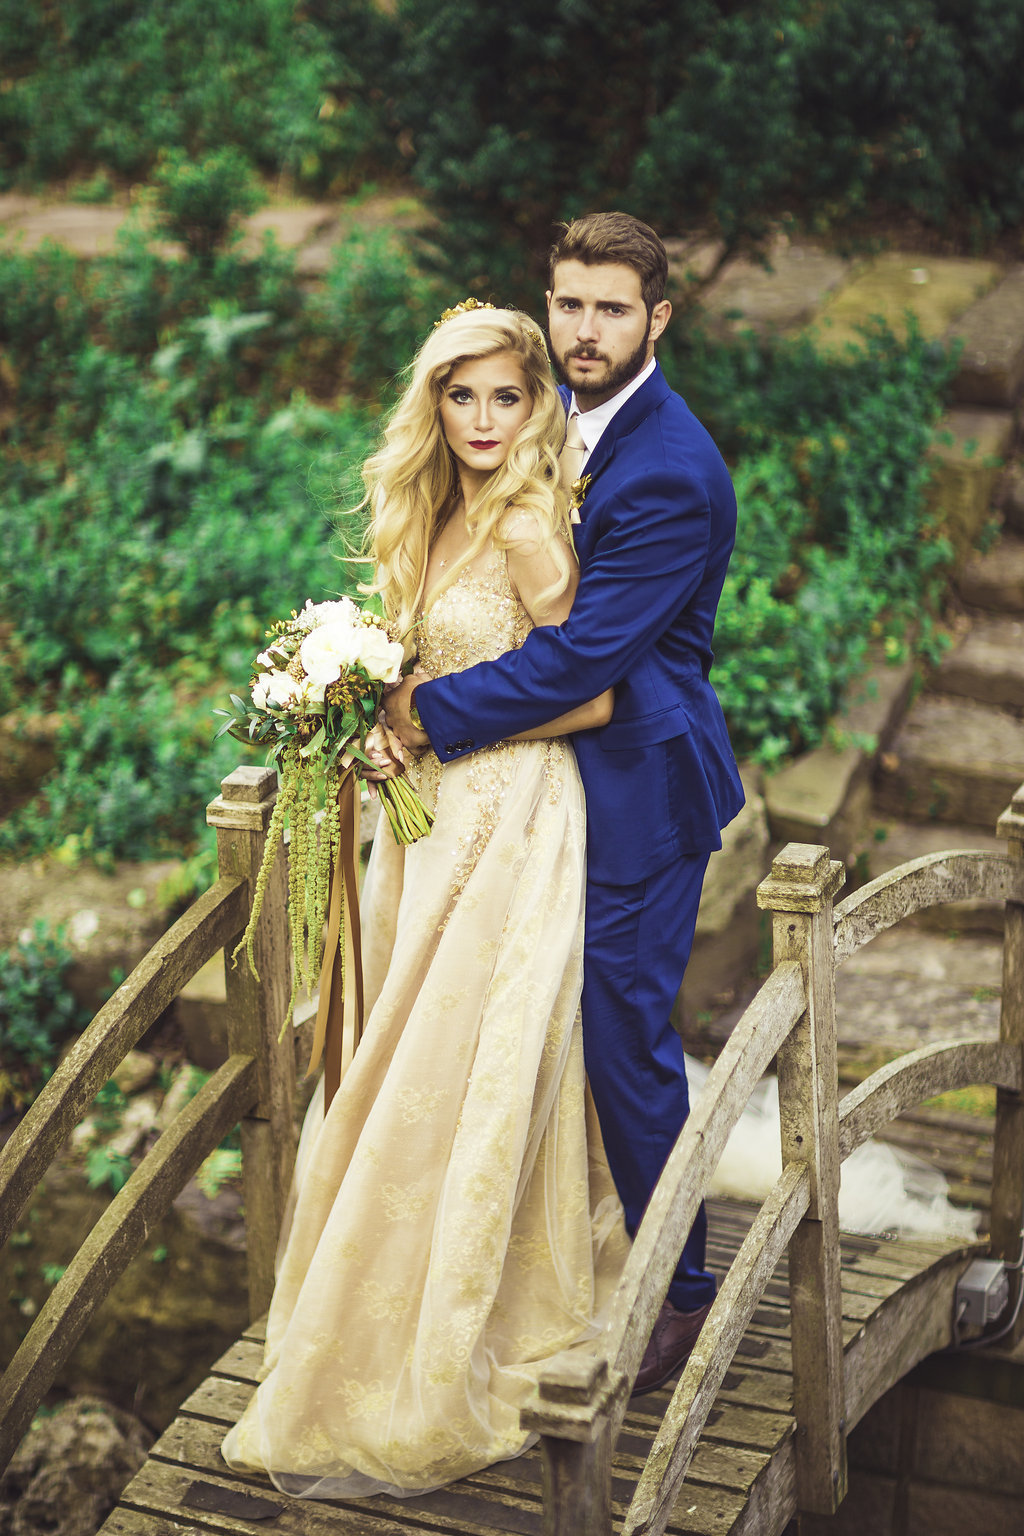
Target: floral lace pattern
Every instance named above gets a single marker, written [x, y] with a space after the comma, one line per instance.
[454, 1222]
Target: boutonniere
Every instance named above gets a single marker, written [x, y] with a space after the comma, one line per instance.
[577, 495]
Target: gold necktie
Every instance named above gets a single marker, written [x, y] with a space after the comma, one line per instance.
[570, 460]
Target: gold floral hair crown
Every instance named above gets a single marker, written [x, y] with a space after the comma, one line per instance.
[465, 308]
[469, 305]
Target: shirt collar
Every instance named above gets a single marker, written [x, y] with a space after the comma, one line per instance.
[593, 423]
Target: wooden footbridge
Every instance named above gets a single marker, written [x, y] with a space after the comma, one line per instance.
[809, 1328]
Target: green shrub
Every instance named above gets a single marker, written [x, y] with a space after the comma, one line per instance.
[189, 507]
[37, 1012]
[201, 202]
[143, 570]
[915, 104]
[373, 309]
[723, 116]
[134, 765]
[98, 85]
[94, 189]
[44, 320]
[835, 543]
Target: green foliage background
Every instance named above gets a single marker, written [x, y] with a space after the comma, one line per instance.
[182, 433]
[715, 114]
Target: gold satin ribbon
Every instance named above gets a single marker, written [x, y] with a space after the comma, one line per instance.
[339, 1018]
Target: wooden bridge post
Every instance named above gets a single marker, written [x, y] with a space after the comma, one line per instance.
[799, 892]
[241, 815]
[1008, 1153]
[576, 1418]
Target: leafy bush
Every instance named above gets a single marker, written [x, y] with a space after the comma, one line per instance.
[160, 511]
[163, 539]
[44, 319]
[915, 104]
[202, 202]
[37, 1012]
[835, 544]
[96, 84]
[373, 309]
[710, 113]
[134, 768]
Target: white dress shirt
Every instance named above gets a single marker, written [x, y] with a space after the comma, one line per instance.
[593, 422]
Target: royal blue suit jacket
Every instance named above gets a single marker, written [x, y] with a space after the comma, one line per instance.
[657, 528]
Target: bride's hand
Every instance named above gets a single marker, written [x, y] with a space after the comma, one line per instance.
[385, 751]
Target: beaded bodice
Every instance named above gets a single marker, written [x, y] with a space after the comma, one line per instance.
[478, 618]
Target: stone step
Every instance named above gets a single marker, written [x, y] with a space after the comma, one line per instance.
[992, 335]
[970, 447]
[824, 796]
[781, 297]
[1011, 500]
[891, 843]
[988, 665]
[937, 290]
[907, 988]
[954, 761]
[995, 580]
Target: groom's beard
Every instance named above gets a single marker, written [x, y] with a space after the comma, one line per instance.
[615, 378]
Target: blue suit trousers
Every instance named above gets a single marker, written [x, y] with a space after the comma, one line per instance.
[638, 940]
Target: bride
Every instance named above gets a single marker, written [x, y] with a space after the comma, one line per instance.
[453, 1220]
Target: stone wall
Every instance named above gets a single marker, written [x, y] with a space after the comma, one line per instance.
[939, 1455]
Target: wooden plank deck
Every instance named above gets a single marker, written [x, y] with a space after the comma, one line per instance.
[897, 1306]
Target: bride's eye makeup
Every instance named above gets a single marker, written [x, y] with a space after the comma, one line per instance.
[506, 397]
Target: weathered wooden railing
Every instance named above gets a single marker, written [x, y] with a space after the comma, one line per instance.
[255, 1086]
[581, 1399]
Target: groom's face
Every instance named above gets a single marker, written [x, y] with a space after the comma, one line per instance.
[601, 334]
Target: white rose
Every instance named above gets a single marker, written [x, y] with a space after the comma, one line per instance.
[275, 690]
[327, 651]
[382, 658]
[313, 615]
[313, 693]
[271, 656]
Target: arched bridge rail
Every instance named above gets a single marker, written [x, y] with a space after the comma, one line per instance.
[579, 1407]
[582, 1397]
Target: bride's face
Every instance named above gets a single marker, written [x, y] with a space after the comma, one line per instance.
[485, 402]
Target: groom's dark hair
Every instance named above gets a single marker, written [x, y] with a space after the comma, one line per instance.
[599, 238]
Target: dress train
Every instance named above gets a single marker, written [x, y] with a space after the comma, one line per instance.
[882, 1189]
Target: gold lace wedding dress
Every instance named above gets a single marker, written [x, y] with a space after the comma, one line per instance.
[454, 1223]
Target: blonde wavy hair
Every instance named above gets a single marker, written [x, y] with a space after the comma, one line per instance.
[412, 479]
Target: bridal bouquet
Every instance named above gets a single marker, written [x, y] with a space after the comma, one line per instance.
[315, 694]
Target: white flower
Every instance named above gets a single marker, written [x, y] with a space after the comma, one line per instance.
[271, 656]
[380, 657]
[276, 690]
[329, 650]
[313, 615]
[313, 693]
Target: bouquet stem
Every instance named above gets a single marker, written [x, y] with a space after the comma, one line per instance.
[406, 813]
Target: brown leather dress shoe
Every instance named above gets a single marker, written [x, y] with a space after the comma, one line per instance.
[671, 1344]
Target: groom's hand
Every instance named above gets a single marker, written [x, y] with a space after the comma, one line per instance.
[398, 707]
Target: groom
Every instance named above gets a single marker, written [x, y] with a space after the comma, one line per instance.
[657, 526]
